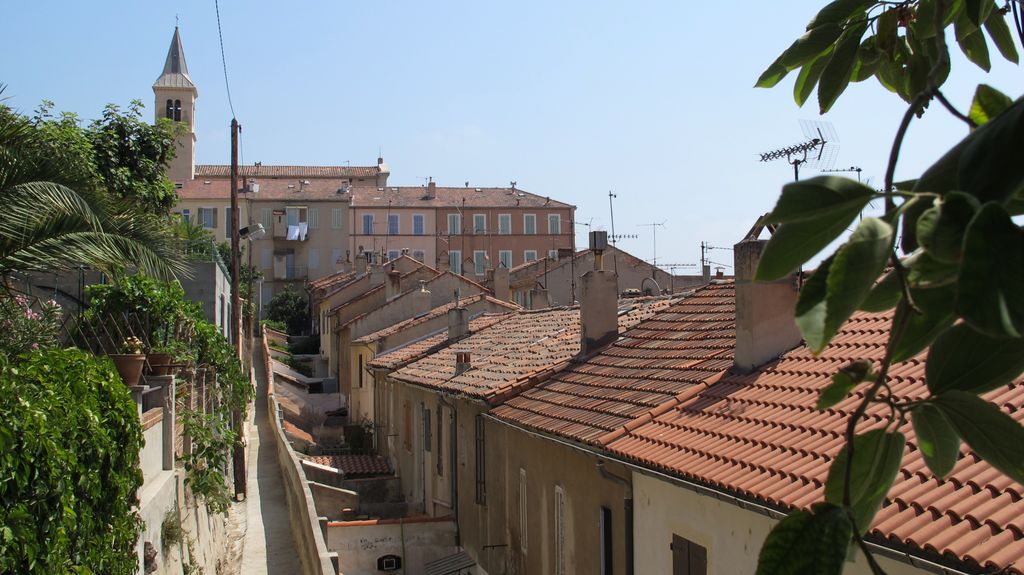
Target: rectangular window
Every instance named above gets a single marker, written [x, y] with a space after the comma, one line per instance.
[417, 225]
[267, 218]
[360, 367]
[296, 215]
[554, 224]
[368, 224]
[336, 221]
[505, 259]
[427, 429]
[393, 224]
[559, 530]
[186, 214]
[393, 254]
[419, 255]
[314, 218]
[688, 558]
[530, 224]
[455, 262]
[266, 258]
[479, 223]
[605, 526]
[454, 224]
[440, 446]
[504, 224]
[479, 262]
[314, 258]
[522, 510]
[481, 468]
[208, 218]
[530, 256]
[553, 255]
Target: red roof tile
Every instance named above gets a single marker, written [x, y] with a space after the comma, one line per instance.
[417, 349]
[432, 314]
[528, 343]
[416, 196]
[258, 171]
[668, 354]
[271, 189]
[759, 435]
[354, 465]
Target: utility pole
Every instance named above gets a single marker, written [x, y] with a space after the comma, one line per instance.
[238, 454]
[235, 252]
[611, 212]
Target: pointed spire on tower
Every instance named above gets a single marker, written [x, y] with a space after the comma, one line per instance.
[175, 74]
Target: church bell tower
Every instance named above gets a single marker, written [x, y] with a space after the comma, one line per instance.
[176, 100]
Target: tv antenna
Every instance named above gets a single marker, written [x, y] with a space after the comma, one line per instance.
[849, 170]
[818, 150]
[654, 233]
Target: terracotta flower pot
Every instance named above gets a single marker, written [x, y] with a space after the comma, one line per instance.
[129, 365]
[160, 363]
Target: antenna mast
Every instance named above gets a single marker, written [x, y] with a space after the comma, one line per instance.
[818, 150]
[654, 233]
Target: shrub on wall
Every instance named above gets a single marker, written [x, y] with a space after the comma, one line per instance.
[69, 466]
[290, 308]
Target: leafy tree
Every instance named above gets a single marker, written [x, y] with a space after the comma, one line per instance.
[57, 217]
[131, 157]
[954, 283]
[291, 308]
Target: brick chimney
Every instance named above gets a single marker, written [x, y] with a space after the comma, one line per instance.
[463, 361]
[431, 190]
[599, 305]
[394, 284]
[458, 323]
[499, 283]
[765, 324]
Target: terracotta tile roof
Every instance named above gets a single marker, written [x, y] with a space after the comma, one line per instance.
[258, 171]
[354, 465]
[329, 281]
[760, 436]
[432, 314]
[297, 432]
[664, 357]
[415, 196]
[528, 343]
[271, 189]
[417, 349]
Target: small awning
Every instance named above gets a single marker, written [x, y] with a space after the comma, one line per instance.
[450, 565]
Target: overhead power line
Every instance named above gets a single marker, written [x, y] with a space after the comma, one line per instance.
[223, 59]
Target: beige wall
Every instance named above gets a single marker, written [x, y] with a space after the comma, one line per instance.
[492, 243]
[360, 543]
[732, 536]
[183, 164]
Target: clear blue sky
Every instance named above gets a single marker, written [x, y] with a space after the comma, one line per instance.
[653, 100]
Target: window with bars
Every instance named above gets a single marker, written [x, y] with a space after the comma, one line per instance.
[481, 462]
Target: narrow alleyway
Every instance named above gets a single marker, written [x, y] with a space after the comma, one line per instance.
[268, 546]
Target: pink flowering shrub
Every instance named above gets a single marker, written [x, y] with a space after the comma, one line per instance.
[27, 327]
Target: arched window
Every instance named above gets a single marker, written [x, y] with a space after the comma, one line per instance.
[169, 114]
[177, 110]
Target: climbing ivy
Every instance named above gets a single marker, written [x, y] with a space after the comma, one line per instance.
[69, 466]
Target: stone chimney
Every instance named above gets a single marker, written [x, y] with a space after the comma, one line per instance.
[599, 305]
[458, 323]
[421, 300]
[765, 324]
[360, 265]
[539, 299]
[394, 284]
[431, 190]
[463, 361]
[343, 265]
[707, 273]
[499, 284]
[378, 274]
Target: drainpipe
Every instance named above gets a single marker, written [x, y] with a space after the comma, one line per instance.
[627, 510]
[453, 465]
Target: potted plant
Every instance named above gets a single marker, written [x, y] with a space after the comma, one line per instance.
[165, 358]
[130, 361]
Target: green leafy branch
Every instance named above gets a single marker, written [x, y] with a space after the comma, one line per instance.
[955, 292]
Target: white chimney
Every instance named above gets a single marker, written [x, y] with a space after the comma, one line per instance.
[421, 299]
[765, 324]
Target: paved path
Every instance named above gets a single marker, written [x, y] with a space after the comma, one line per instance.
[269, 546]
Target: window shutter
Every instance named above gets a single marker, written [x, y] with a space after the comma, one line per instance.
[314, 218]
[214, 218]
